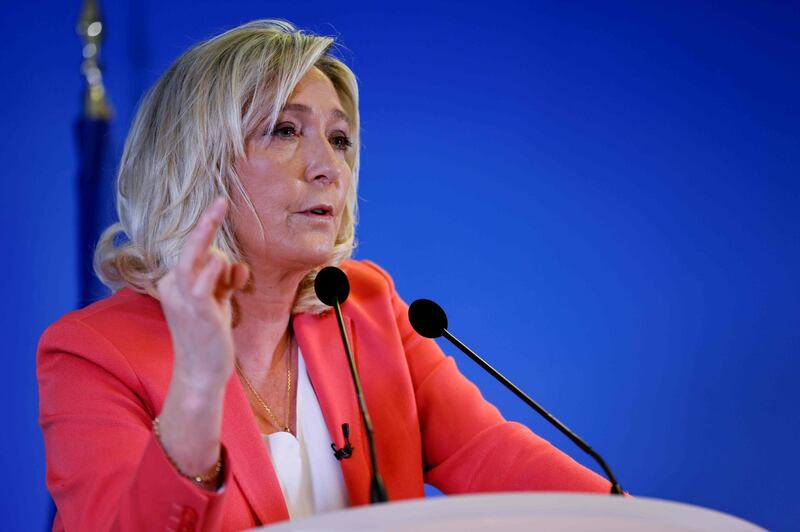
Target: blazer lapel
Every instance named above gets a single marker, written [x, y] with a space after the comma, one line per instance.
[252, 466]
[329, 372]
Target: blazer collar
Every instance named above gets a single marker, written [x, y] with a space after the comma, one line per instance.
[252, 467]
[329, 373]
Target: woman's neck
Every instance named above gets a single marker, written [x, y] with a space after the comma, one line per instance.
[264, 311]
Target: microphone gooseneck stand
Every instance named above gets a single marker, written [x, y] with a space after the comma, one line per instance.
[430, 320]
[332, 288]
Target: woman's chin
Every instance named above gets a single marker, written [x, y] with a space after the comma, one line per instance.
[304, 259]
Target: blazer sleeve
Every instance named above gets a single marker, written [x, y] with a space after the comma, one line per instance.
[467, 444]
[105, 468]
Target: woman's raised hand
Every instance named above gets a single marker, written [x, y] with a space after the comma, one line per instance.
[195, 296]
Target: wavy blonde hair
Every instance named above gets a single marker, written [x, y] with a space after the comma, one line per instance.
[191, 127]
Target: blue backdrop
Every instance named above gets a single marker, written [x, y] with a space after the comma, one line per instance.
[613, 188]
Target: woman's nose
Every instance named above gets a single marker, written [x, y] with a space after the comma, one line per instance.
[323, 162]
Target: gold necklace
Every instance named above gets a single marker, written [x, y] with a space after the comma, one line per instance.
[273, 419]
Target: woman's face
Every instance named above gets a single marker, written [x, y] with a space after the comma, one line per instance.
[297, 177]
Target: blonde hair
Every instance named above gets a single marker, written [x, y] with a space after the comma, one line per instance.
[191, 127]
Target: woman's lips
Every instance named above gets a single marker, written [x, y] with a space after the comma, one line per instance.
[321, 212]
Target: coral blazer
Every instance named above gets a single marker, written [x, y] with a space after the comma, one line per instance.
[104, 372]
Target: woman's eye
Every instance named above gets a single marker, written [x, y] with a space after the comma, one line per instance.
[284, 131]
[341, 142]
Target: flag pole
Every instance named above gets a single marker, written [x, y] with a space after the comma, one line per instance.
[92, 128]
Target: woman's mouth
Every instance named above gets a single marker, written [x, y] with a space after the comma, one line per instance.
[320, 211]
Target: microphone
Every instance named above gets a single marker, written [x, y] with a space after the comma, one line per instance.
[345, 452]
[332, 288]
[430, 321]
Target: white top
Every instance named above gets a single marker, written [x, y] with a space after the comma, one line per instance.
[310, 476]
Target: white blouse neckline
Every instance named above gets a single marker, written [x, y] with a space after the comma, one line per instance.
[309, 475]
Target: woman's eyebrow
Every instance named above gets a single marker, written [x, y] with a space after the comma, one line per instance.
[304, 109]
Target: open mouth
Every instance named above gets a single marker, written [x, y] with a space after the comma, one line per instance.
[319, 210]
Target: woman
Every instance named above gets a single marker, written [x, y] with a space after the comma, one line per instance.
[206, 392]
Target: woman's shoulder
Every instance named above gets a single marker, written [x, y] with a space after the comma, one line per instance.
[368, 282]
[126, 306]
[372, 293]
[125, 323]
[367, 278]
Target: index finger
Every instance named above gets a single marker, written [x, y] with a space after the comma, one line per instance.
[201, 237]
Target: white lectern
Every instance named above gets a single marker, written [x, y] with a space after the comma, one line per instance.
[523, 511]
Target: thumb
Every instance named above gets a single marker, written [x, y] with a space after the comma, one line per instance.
[234, 278]
[240, 275]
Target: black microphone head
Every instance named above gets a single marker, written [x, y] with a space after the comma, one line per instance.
[331, 285]
[427, 318]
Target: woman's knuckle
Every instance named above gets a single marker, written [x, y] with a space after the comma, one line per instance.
[182, 269]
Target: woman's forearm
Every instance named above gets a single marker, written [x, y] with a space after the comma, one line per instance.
[190, 426]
